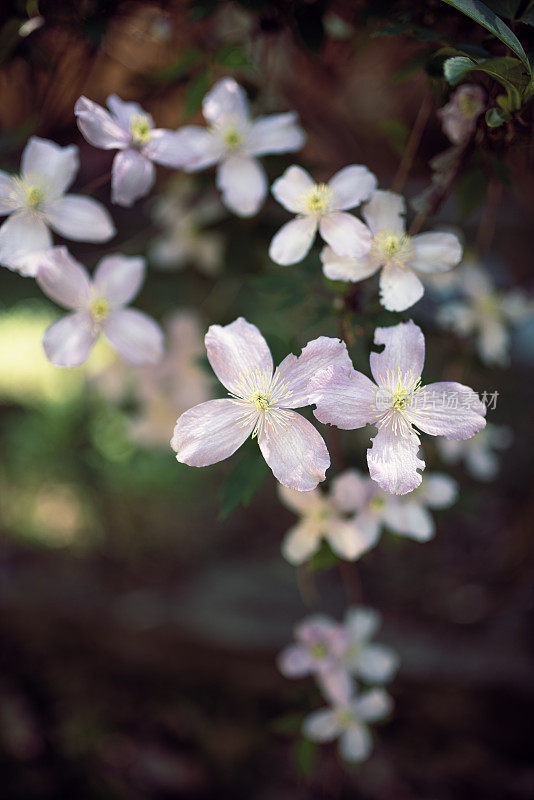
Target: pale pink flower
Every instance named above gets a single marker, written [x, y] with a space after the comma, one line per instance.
[397, 255]
[261, 405]
[233, 141]
[395, 404]
[98, 306]
[322, 206]
[459, 116]
[480, 455]
[129, 129]
[36, 201]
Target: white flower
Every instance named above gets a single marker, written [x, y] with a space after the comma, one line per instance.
[36, 201]
[373, 663]
[400, 256]
[232, 140]
[478, 454]
[98, 306]
[322, 206]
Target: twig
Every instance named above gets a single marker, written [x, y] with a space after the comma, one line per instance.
[412, 145]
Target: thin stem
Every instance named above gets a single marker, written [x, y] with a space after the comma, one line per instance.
[412, 145]
[96, 183]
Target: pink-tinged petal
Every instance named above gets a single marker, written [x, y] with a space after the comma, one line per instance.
[351, 186]
[236, 353]
[226, 99]
[63, 279]
[80, 218]
[210, 432]
[295, 452]
[132, 177]
[336, 684]
[293, 241]
[166, 148]
[118, 278]
[343, 268]
[348, 540]
[8, 202]
[277, 133]
[199, 147]
[344, 398]
[99, 127]
[297, 372]
[69, 341]
[438, 490]
[301, 541]
[346, 235]
[362, 623]
[385, 211]
[243, 184]
[123, 111]
[350, 491]
[404, 352]
[409, 518]
[290, 188]
[300, 502]
[373, 705]
[393, 461]
[136, 337]
[448, 409]
[377, 663]
[355, 744]
[321, 726]
[400, 288]
[436, 252]
[369, 525]
[46, 160]
[22, 236]
[294, 661]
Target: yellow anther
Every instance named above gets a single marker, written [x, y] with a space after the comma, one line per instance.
[318, 199]
[99, 309]
[393, 248]
[232, 138]
[140, 129]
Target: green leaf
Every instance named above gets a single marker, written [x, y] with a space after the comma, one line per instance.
[455, 68]
[232, 55]
[407, 29]
[195, 92]
[243, 482]
[305, 755]
[189, 59]
[496, 117]
[480, 13]
[508, 71]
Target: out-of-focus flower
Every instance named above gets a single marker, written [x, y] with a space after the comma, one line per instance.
[373, 663]
[397, 253]
[232, 140]
[322, 206]
[478, 454]
[459, 116]
[36, 201]
[349, 722]
[129, 129]
[98, 306]
[405, 515]
[183, 241]
[260, 405]
[487, 314]
[348, 399]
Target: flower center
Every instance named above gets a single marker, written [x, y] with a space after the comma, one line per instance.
[470, 106]
[376, 503]
[232, 138]
[397, 391]
[261, 399]
[318, 199]
[140, 129]
[99, 309]
[32, 194]
[393, 248]
[345, 717]
[319, 650]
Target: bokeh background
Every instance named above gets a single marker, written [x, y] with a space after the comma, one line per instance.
[142, 603]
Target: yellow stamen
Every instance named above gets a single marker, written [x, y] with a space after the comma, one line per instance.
[232, 138]
[140, 129]
[99, 309]
[393, 248]
[318, 199]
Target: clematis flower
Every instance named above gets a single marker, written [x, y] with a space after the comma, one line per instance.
[233, 141]
[395, 404]
[261, 405]
[98, 306]
[480, 454]
[36, 201]
[322, 206]
[398, 255]
[128, 128]
[373, 663]
[459, 116]
[404, 515]
[349, 722]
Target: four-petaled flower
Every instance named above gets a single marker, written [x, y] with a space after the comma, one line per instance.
[397, 253]
[395, 404]
[130, 129]
[97, 307]
[232, 140]
[36, 201]
[322, 206]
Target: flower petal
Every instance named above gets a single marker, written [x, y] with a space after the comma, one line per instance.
[23, 235]
[293, 241]
[343, 268]
[385, 211]
[393, 461]
[80, 218]
[226, 99]
[277, 133]
[346, 235]
[136, 337]
[237, 352]
[404, 351]
[44, 159]
[409, 518]
[344, 398]
[166, 148]
[301, 541]
[7, 200]
[351, 186]
[118, 278]
[373, 705]
[209, 432]
[99, 127]
[377, 663]
[400, 288]
[321, 726]
[300, 502]
[297, 372]
[199, 147]
[355, 743]
[350, 491]
[132, 177]
[448, 409]
[295, 452]
[69, 341]
[348, 541]
[243, 184]
[123, 111]
[63, 279]
[336, 684]
[362, 623]
[438, 490]
[290, 187]
[436, 252]
[294, 661]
